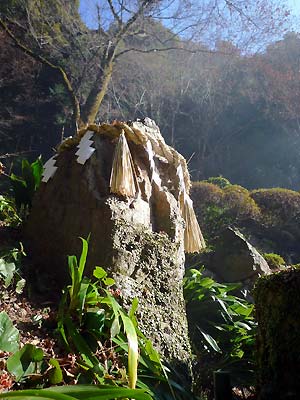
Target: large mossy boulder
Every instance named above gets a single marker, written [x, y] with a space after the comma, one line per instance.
[235, 259]
[139, 238]
[277, 304]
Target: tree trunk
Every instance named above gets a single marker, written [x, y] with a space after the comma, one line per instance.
[97, 93]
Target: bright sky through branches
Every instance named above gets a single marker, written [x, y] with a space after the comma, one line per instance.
[88, 13]
[295, 6]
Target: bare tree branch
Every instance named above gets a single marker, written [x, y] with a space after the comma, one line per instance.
[154, 50]
[114, 13]
[143, 7]
[43, 60]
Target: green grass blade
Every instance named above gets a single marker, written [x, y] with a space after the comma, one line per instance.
[87, 355]
[83, 257]
[133, 349]
[101, 392]
[39, 394]
[75, 285]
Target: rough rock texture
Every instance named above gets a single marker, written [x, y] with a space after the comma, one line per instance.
[235, 259]
[138, 240]
[277, 299]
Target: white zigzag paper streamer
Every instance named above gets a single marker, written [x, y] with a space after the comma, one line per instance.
[49, 169]
[179, 173]
[85, 150]
[154, 174]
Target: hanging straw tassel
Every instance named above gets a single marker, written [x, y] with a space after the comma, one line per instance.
[193, 239]
[123, 179]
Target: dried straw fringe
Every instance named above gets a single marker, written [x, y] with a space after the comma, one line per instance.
[123, 179]
[193, 239]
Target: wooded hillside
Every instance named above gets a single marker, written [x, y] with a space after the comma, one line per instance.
[231, 112]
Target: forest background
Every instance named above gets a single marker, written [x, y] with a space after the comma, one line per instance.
[231, 107]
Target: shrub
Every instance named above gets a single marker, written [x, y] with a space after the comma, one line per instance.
[275, 261]
[239, 204]
[8, 212]
[205, 195]
[219, 181]
[218, 208]
[278, 206]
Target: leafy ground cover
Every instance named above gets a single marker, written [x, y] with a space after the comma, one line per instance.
[223, 337]
[85, 338]
[49, 344]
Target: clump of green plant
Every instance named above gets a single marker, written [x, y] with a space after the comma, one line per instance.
[25, 186]
[279, 207]
[215, 219]
[109, 344]
[239, 204]
[8, 212]
[110, 354]
[30, 361]
[219, 181]
[88, 313]
[275, 261]
[10, 262]
[222, 329]
[217, 208]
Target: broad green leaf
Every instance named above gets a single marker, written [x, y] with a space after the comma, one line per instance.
[207, 282]
[55, 374]
[99, 273]
[211, 341]
[37, 171]
[224, 307]
[134, 306]
[23, 362]
[115, 327]
[243, 325]
[242, 309]
[108, 281]
[9, 335]
[7, 271]
[151, 352]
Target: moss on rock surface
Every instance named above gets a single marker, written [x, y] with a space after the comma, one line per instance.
[150, 272]
[277, 303]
